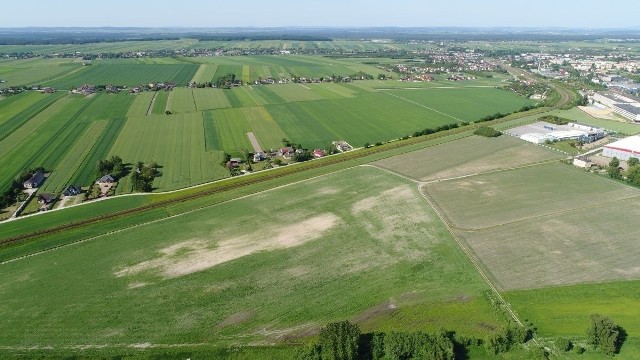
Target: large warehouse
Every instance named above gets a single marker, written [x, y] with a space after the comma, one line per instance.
[623, 149]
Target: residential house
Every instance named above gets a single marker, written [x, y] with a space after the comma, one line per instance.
[318, 153]
[45, 199]
[34, 181]
[71, 190]
[106, 179]
[259, 156]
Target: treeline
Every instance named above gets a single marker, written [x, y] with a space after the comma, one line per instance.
[344, 341]
[259, 37]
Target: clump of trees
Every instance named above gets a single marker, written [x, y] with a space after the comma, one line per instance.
[605, 335]
[503, 341]
[143, 176]
[554, 119]
[10, 195]
[113, 166]
[487, 131]
[225, 80]
[633, 173]
[614, 169]
[338, 341]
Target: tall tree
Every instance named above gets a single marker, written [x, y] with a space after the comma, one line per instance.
[339, 341]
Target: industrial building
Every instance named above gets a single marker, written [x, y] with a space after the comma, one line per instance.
[625, 105]
[623, 149]
[541, 132]
[630, 111]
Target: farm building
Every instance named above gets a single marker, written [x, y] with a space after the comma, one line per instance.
[34, 181]
[623, 149]
[45, 199]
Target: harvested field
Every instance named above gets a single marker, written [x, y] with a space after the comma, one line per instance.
[542, 225]
[471, 155]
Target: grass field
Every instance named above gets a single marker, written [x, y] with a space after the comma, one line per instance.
[70, 163]
[472, 155]
[126, 74]
[176, 142]
[205, 73]
[209, 270]
[564, 311]
[209, 99]
[160, 104]
[35, 71]
[181, 101]
[539, 226]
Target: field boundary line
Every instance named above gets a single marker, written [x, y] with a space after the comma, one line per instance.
[465, 250]
[579, 208]
[475, 263]
[153, 101]
[511, 168]
[424, 106]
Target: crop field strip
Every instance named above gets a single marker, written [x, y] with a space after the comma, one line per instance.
[210, 99]
[364, 205]
[17, 138]
[160, 104]
[57, 133]
[127, 74]
[69, 165]
[205, 73]
[8, 126]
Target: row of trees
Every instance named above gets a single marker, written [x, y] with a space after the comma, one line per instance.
[343, 341]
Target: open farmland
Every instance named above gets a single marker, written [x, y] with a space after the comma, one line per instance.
[126, 74]
[35, 71]
[468, 156]
[176, 143]
[564, 311]
[68, 165]
[208, 270]
[539, 226]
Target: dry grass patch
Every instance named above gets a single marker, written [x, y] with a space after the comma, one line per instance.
[196, 255]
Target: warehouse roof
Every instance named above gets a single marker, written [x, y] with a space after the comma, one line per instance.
[631, 143]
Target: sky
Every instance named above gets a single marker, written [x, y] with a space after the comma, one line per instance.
[330, 13]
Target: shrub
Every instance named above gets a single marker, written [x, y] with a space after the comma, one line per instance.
[487, 131]
[563, 344]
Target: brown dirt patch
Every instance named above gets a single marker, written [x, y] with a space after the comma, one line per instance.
[196, 255]
[235, 319]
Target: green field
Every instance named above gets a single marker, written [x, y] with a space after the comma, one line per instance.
[126, 74]
[564, 312]
[176, 142]
[68, 165]
[208, 270]
[35, 71]
[209, 99]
